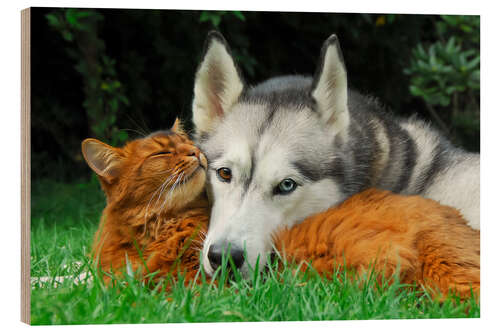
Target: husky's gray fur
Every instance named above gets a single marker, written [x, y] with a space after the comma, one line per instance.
[331, 141]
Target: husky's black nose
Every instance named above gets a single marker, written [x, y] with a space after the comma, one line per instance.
[216, 251]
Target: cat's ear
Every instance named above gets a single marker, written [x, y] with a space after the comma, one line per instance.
[218, 84]
[177, 127]
[104, 159]
[329, 87]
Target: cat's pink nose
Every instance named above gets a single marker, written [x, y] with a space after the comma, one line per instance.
[194, 152]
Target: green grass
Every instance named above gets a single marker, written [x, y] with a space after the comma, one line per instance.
[64, 218]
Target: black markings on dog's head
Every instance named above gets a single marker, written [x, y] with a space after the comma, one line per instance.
[308, 170]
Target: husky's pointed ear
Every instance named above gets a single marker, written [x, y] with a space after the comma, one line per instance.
[104, 159]
[218, 84]
[329, 87]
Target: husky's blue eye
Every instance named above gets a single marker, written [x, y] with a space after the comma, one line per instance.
[224, 174]
[286, 186]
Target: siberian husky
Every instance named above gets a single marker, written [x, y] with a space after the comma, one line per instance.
[295, 145]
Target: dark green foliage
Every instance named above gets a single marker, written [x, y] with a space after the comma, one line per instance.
[215, 17]
[445, 74]
[103, 91]
[117, 74]
[443, 71]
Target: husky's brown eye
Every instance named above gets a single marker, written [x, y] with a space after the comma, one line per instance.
[224, 174]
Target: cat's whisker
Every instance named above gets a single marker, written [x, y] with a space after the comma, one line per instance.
[152, 196]
[160, 188]
[176, 184]
[172, 189]
[166, 171]
[183, 183]
[141, 133]
[164, 186]
[172, 179]
[149, 202]
[143, 130]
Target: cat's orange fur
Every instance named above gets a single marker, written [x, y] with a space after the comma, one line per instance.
[429, 243]
[156, 208]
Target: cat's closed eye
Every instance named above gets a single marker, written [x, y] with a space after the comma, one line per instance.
[162, 153]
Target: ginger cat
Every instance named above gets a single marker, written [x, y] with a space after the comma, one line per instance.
[157, 207]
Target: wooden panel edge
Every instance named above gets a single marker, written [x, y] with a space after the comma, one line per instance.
[25, 164]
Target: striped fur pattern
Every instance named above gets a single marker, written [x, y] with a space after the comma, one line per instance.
[330, 141]
[156, 202]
